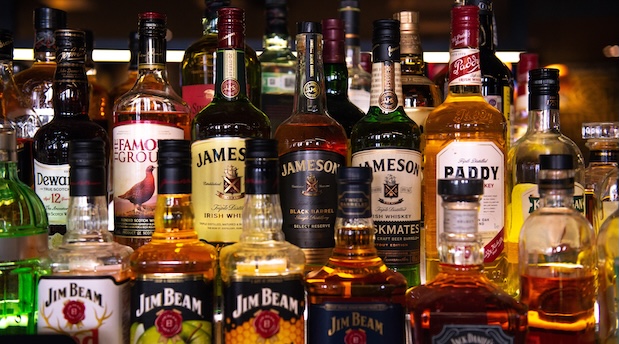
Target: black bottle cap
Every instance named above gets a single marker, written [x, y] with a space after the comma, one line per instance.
[6, 44]
[174, 153]
[556, 162]
[485, 6]
[69, 39]
[460, 187]
[309, 27]
[354, 175]
[174, 167]
[544, 81]
[86, 153]
[49, 18]
[87, 168]
[261, 148]
[386, 40]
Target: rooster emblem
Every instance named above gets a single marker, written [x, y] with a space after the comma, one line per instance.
[142, 191]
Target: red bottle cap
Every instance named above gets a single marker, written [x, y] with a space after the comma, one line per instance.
[465, 27]
[333, 37]
[231, 27]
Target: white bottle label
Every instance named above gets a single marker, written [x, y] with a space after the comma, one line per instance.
[51, 184]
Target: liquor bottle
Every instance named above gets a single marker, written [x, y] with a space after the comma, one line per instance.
[467, 138]
[388, 141]
[85, 294]
[100, 108]
[132, 70]
[312, 146]
[519, 120]
[23, 238]
[354, 298]
[359, 81]
[557, 260]
[461, 301]
[219, 132]
[278, 64]
[199, 61]
[420, 94]
[70, 122]
[607, 197]
[175, 266]
[151, 111]
[543, 136]
[602, 139]
[262, 266]
[36, 82]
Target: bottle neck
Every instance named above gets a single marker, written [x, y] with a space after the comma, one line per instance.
[411, 54]
[544, 113]
[87, 220]
[386, 88]
[209, 24]
[556, 198]
[8, 169]
[152, 53]
[230, 82]
[605, 151]
[276, 36]
[486, 30]
[70, 85]
[556, 188]
[336, 80]
[310, 81]
[174, 218]
[460, 243]
[353, 57]
[276, 42]
[464, 71]
[44, 46]
[354, 227]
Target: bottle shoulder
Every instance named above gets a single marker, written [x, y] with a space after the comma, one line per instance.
[150, 97]
[532, 145]
[461, 113]
[176, 256]
[492, 66]
[367, 273]
[100, 258]
[235, 118]
[267, 258]
[552, 225]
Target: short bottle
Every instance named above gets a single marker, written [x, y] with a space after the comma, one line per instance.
[519, 120]
[262, 266]
[86, 294]
[355, 298]
[100, 107]
[131, 75]
[557, 260]
[461, 302]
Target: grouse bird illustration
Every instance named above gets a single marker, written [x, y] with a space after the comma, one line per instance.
[142, 191]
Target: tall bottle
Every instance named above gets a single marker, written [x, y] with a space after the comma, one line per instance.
[85, 294]
[100, 108]
[198, 70]
[219, 132]
[388, 141]
[278, 64]
[359, 81]
[23, 242]
[312, 147]
[263, 262]
[175, 265]
[519, 120]
[354, 298]
[557, 260]
[543, 136]
[466, 137]
[70, 122]
[132, 69]
[151, 111]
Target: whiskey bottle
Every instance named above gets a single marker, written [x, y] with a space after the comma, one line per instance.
[70, 122]
[86, 294]
[543, 136]
[519, 120]
[151, 111]
[132, 69]
[262, 266]
[312, 146]
[175, 265]
[466, 137]
[461, 301]
[100, 108]
[607, 197]
[557, 260]
[219, 132]
[355, 298]
[388, 141]
[278, 64]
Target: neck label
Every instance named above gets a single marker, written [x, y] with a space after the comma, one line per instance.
[464, 67]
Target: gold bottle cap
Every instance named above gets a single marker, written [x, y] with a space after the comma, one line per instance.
[409, 20]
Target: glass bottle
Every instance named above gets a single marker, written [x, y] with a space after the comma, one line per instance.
[388, 141]
[262, 266]
[199, 61]
[312, 146]
[23, 242]
[70, 122]
[557, 260]
[36, 82]
[219, 132]
[278, 64]
[151, 111]
[543, 136]
[100, 108]
[132, 70]
[519, 120]
[461, 301]
[359, 81]
[175, 264]
[607, 197]
[467, 138]
[85, 296]
[354, 298]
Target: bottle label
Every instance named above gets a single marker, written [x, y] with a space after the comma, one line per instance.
[472, 334]
[308, 182]
[278, 83]
[352, 323]
[464, 68]
[51, 184]
[176, 310]
[386, 86]
[135, 174]
[198, 96]
[264, 310]
[89, 309]
[479, 160]
[218, 188]
[396, 202]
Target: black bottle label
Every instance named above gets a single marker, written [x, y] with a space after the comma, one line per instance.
[471, 334]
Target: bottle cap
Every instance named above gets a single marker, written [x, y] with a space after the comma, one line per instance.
[6, 44]
[49, 18]
[309, 27]
[333, 41]
[349, 13]
[212, 6]
[152, 23]
[86, 153]
[465, 27]
[600, 130]
[70, 46]
[231, 28]
[354, 175]
[174, 167]
[174, 153]
[544, 81]
[460, 187]
[261, 148]
[386, 40]
[87, 167]
[556, 162]
[276, 14]
[409, 21]
[354, 192]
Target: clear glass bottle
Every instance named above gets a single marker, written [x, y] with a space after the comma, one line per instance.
[86, 294]
[520, 117]
[263, 266]
[312, 146]
[151, 111]
[557, 260]
[175, 265]
[461, 301]
[388, 141]
[607, 197]
[23, 242]
[100, 106]
[132, 69]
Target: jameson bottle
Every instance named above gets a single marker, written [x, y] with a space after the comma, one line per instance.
[312, 147]
[467, 138]
[70, 122]
[149, 112]
[218, 134]
[388, 141]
